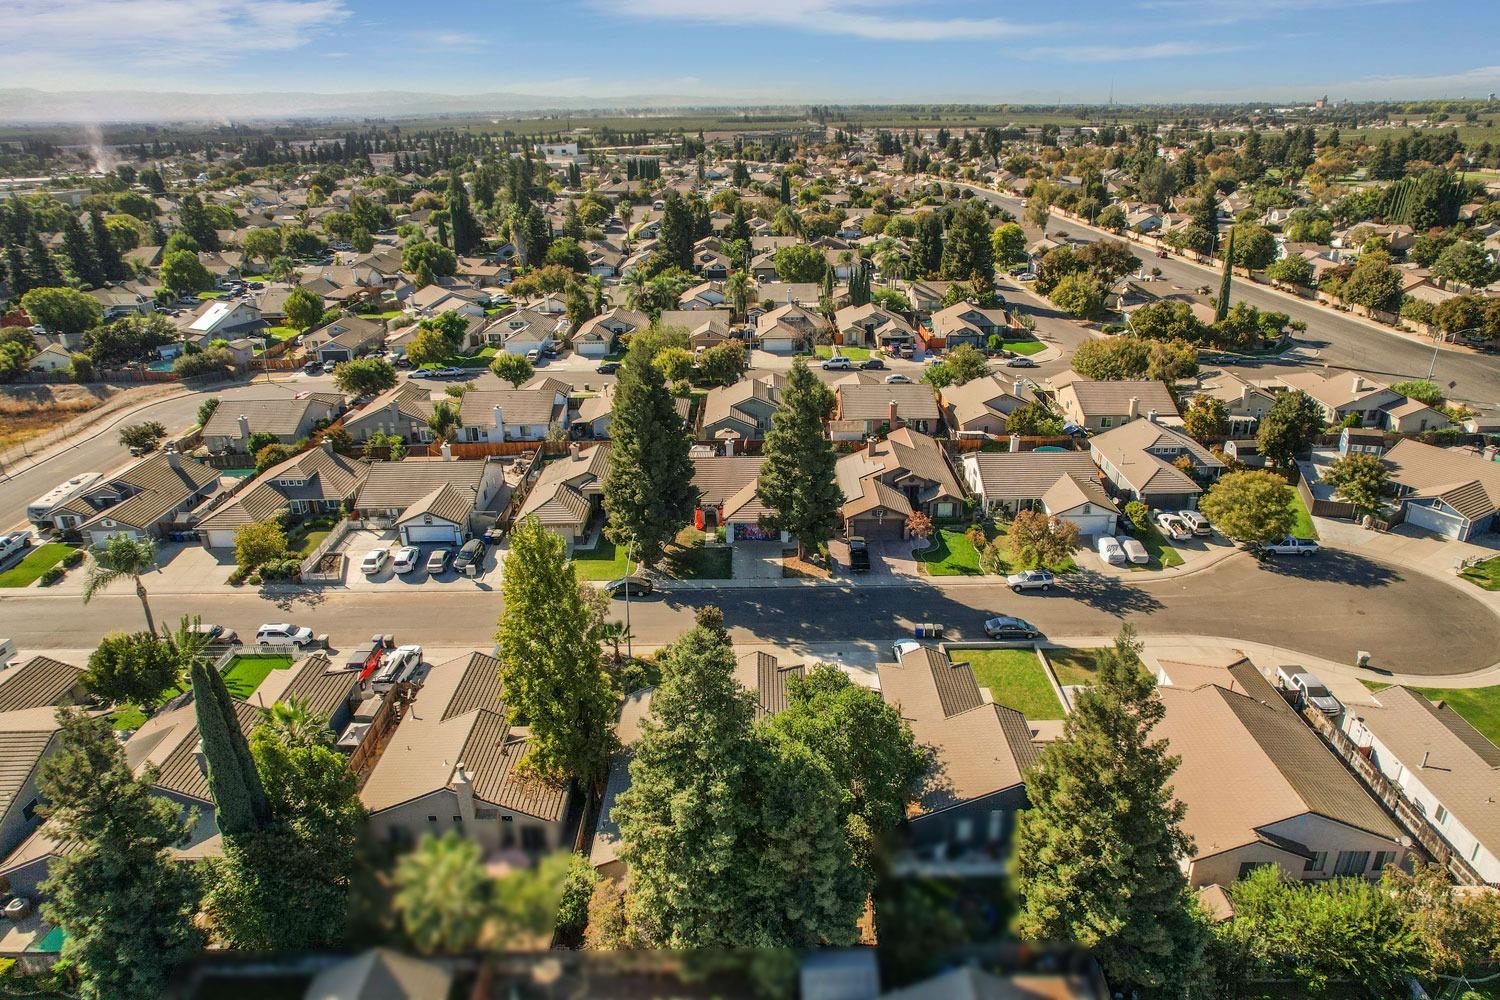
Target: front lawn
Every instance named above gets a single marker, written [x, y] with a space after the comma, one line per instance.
[1015, 678]
[480, 360]
[304, 536]
[1027, 346]
[949, 553]
[1485, 574]
[855, 354]
[689, 559]
[246, 672]
[605, 561]
[205, 296]
[1075, 666]
[36, 562]
[1163, 556]
[1303, 526]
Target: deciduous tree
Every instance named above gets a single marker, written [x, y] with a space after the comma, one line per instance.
[1037, 538]
[1359, 479]
[1288, 427]
[1250, 506]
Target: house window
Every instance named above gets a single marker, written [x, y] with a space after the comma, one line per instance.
[458, 819]
[1105, 421]
[1383, 858]
[1316, 862]
[1246, 867]
[486, 813]
[1351, 863]
[1441, 816]
[432, 819]
[964, 831]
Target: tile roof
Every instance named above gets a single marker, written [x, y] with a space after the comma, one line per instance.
[157, 485]
[317, 681]
[1028, 475]
[402, 484]
[872, 402]
[1461, 479]
[319, 474]
[873, 480]
[561, 494]
[731, 482]
[282, 415]
[24, 738]
[180, 772]
[37, 683]
[1108, 398]
[517, 406]
[446, 502]
[1125, 448]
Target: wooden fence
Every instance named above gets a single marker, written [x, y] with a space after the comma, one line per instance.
[365, 756]
[481, 449]
[1322, 508]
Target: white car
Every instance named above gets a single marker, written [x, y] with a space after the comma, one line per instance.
[1290, 546]
[400, 664]
[838, 364]
[1170, 526]
[897, 379]
[374, 561]
[903, 646]
[1195, 522]
[406, 559]
[1110, 551]
[1031, 579]
[1134, 550]
[1309, 688]
[284, 634]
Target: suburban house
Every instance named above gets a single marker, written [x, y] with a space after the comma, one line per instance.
[707, 295]
[451, 766]
[52, 358]
[889, 479]
[1453, 492]
[1244, 401]
[727, 498]
[434, 500]
[1064, 484]
[567, 493]
[344, 339]
[1098, 406]
[139, 502]
[966, 323]
[494, 415]
[788, 329]
[981, 405]
[403, 410]
[119, 300]
[967, 806]
[1140, 462]
[169, 743]
[524, 330]
[597, 337]
[1373, 404]
[27, 737]
[866, 408]
[741, 411]
[221, 319]
[318, 480]
[434, 300]
[1262, 789]
[40, 682]
[289, 418]
[871, 326]
[1442, 764]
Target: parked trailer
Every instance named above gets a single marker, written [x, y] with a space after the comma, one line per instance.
[39, 512]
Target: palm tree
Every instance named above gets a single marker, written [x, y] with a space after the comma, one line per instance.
[121, 557]
[738, 288]
[635, 288]
[186, 643]
[297, 725]
[443, 894]
[614, 633]
[445, 421]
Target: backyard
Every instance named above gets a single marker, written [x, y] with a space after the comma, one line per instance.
[34, 564]
[1015, 678]
[1484, 574]
[246, 672]
[1074, 667]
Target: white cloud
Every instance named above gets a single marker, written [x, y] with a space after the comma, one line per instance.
[1127, 53]
[881, 20]
[452, 40]
[1223, 12]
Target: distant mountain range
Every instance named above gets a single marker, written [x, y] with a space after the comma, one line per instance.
[33, 107]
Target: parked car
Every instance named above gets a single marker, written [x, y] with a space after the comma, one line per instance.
[1290, 546]
[901, 647]
[312, 368]
[838, 364]
[400, 664]
[633, 586]
[450, 372]
[437, 561]
[470, 554]
[1169, 525]
[329, 366]
[402, 361]
[1134, 550]
[1111, 551]
[217, 634]
[1195, 522]
[533, 355]
[897, 379]
[367, 655]
[374, 561]
[406, 559]
[1020, 361]
[1030, 579]
[608, 367]
[284, 634]
[1309, 689]
[13, 544]
[1008, 627]
[873, 365]
[859, 555]
[1026, 276]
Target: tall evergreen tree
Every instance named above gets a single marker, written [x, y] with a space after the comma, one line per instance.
[1097, 852]
[649, 492]
[969, 250]
[1221, 308]
[17, 274]
[785, 194]
[194, 220]
[80, 253]
[39, 263]
[240, 799]
[549, 660]
[124, 903]
[105, 251]
[1206, 211]
[677, 231]
[797, 479]
[462, 225]
[927, 247]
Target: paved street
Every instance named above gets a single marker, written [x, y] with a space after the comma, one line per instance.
[1341, 341]
[1330, 606]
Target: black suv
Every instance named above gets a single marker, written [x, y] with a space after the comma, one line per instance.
[859, 555]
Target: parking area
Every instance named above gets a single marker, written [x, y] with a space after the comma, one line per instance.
[359, 543]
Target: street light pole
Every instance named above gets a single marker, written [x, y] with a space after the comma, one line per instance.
[629, 636]
[1437, 342]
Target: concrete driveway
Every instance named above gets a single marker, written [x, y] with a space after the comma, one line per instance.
[357, 543]
[756, 560]
[893, 558]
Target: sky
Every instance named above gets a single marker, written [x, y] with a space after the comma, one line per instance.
[796, 51]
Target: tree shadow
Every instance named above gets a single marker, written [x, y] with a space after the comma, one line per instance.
[1333, 566]
[1108, 594]
[289, 600]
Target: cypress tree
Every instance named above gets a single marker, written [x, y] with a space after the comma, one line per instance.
[80, 253]
[232, 778]
[786, 188]
[1221, 311]
[797, 480]
[44, 272]
[105, 251]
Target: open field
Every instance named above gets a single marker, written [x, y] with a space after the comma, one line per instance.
[29, 411]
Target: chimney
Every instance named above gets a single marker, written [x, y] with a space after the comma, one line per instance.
[463, 787]
[729, 447]
[499, 419]
[1358, 383]
[575, 449]
[395, 414]
[244, 428]
[895, 421]
[1015, 443]
[173, 459]
[1151, 416]
[1134, 410]
[1245, 396]
[328, 445]
[870, 445]
[447, 451]
[201, 757]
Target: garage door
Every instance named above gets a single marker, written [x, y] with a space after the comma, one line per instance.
[1093, 524]
[873, 528]
[220, 538]
[334, 355]
[1434, 519]
[432, 534]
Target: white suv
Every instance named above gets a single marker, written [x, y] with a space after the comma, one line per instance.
[284, 634]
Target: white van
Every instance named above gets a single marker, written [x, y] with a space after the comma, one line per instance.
[1111, 551]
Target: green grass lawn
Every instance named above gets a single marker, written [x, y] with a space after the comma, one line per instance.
[1302, 527]
[604, 561]
[302, 538]
[1074, 666]
[388, 315]
[34, 564]
[1163, 556]
[205, 296]
[281, 332]
[127, 717]
[1027, 346]
[1015, 678]
[689, 559]
[480, 360]
[855, 354]
[1485, 574]
[246, 672]
[949, 554]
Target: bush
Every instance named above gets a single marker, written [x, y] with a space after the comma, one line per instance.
[282, 569]
[573, 907]
[976, 536]
[1138, 514]
[213, 361]
[237, 578]
[52, 576]
[73, 559]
